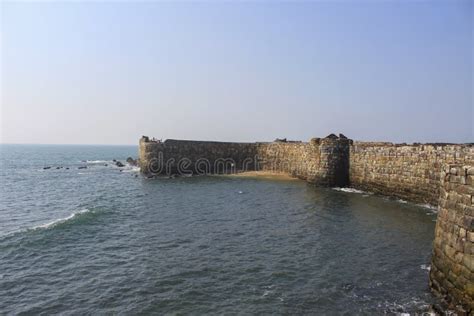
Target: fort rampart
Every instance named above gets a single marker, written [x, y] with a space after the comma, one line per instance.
[323, 161]
[436, 174]
[409, 172]
[452, 268]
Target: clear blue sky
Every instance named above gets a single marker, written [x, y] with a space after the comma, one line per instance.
[102, 72]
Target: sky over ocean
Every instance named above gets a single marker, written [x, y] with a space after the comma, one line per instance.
[106, 73]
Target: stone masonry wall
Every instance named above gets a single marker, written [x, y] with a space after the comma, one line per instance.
[321, 161]
[334, 166]
[410, 172]
[452, 268]
[295, 158]
[199, 157]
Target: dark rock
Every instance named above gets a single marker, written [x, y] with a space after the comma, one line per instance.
[105, 165]
[280, 140]
[46, 168]
[131, 161]
[119, 164]
[332, 136]
[82, 167]
[67, 168]
[58, 167]
[114, 160]
[342, 136]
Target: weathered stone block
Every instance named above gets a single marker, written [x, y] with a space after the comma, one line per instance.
[470, 236]
[468, 261]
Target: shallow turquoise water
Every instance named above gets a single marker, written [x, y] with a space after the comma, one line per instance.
[97, 240]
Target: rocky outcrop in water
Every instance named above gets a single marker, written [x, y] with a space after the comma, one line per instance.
[131, 161]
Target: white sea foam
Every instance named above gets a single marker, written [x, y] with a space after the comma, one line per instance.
[60, 220]
[130, 168]
[351, 190]
[432, 208]
[426, 267]
[97, 161]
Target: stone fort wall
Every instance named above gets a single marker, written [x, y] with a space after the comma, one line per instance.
[412, 172]
[452, 267]
[196, 157]
[409, 172]
[320, 161]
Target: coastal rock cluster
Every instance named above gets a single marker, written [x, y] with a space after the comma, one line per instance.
[130, 161]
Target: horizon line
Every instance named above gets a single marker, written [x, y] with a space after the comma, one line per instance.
[64, 144]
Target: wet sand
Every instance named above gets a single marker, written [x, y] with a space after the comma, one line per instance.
[263, 174]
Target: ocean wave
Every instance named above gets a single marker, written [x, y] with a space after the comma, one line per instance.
[130, 168]
[48, 225]
[60, 220]
[414, 306]
[127, 167]
[351, 190]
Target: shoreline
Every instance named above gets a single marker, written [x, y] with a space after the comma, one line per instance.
[263, 175]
